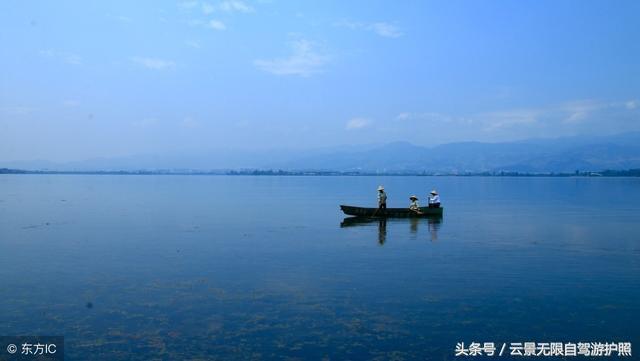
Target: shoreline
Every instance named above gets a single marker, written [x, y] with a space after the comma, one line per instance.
[598, 174]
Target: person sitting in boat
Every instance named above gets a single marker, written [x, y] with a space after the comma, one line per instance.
[414, 206]
[434, 199]
[382, 198]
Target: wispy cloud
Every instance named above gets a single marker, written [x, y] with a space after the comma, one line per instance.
[216, 25]
[187, 4]
[357, 123]
[153, 63]
[235, 5]
[145, 122]
[498, 120]
[189, 122]
[16, 110]
[631, 104]
[124, 19]
[304, 60]
[568, 118]
[580, 110]
[383, 29]
[486, 121]
[193, 44]
[67, 58]
[207, 8]
[120, 18]
[430, 117]
[70, 103]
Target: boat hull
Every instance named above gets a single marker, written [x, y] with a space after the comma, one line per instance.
[390, 212]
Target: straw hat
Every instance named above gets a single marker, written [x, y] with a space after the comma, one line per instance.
[434, 192]
[380, 188]
[413, 197]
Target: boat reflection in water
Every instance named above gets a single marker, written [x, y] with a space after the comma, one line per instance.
[433, 225]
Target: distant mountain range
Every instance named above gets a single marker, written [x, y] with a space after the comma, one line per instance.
[534, 155]
[566, 154]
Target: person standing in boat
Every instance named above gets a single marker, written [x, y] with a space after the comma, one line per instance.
[414, 206]
[434, 199]
[382, 198]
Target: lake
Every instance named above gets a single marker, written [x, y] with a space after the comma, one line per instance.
[240, 267]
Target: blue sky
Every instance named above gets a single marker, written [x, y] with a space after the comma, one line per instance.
[84, 79]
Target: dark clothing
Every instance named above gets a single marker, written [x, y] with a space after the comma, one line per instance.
[382, 206]
[434, 205]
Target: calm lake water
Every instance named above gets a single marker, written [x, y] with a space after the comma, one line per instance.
[217, 267]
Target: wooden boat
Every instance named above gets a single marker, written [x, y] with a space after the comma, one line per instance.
[390, 212]
[382, 221]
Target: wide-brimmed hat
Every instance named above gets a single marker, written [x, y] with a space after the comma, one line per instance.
[434, 192]
[413, 197]
[380, 188]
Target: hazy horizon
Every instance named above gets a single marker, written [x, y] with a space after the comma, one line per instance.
[117, 79]
[312, 149]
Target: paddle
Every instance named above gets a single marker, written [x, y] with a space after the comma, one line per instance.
[376, 212]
